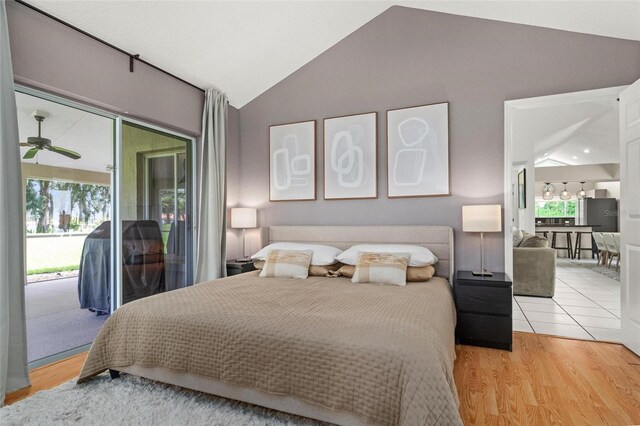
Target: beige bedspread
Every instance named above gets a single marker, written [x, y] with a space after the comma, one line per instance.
[382, 353]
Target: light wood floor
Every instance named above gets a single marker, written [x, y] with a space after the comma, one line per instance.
[549, 380]
[49, 376]
[545, 380]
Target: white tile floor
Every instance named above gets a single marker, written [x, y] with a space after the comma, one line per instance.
[586, 305]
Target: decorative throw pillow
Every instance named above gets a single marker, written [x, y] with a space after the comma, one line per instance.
[535, 241]
[286, 264]
[383, 268]
[345, 271]
[415, 274]
[323, 271]
[518, 236]
[314, 270]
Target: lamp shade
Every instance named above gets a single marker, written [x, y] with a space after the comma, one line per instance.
[482, 218]
[243, 217]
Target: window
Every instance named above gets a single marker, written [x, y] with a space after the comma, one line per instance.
[556, 208]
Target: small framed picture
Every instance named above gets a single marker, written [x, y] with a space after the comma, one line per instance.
[292, 161]
[418, 151]
[350, 157]
[522, 189]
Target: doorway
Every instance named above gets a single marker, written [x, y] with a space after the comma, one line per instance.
[568, 146]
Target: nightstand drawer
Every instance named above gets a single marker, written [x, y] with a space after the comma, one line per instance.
[484, 328]
[485, 300]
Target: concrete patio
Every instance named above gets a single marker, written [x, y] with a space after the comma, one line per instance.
[55, 322]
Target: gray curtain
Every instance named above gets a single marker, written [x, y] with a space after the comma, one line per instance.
[212, 206]
[14, 373]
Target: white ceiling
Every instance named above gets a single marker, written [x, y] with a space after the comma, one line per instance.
[245, 47]
[560, 134]
[88, 134]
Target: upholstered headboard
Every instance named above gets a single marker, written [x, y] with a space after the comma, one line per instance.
[438, 239]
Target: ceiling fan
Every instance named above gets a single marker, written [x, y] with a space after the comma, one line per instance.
[38, 143]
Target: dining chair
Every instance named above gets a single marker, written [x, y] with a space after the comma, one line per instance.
[612, 249]
[616, 236]
[602, 248]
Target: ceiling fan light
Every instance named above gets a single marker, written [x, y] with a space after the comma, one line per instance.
[38, 143]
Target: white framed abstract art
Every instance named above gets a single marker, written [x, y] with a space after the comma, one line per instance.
[350, 157]
[418, 151]
[292, 161]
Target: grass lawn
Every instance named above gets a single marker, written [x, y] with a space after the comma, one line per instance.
[54, 254]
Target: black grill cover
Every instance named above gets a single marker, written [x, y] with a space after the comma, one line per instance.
[143, 264]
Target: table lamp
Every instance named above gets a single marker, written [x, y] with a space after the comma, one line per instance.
[243, 217]
[481, 218]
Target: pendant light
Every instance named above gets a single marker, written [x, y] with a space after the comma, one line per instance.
[582, 193]
[564, 194]
[547, 191]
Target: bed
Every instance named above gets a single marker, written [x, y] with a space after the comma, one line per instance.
[357, 354]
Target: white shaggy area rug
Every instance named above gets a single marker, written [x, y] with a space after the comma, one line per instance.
[131, 400]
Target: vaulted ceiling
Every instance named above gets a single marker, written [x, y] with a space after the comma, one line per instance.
[245, 47]
[572, 131]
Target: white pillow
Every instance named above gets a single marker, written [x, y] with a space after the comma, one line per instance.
[420, 256]
[322, 255]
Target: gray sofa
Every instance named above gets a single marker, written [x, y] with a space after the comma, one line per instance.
[534, 268]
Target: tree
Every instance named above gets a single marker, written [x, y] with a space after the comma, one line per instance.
[45, 206]
[90, 201]
[556, 209]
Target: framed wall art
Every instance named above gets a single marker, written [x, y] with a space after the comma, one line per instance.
[350, 157]
[418, 151]
[292, 161]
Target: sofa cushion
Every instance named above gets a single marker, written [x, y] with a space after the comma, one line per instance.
[534, 241]
[518, 235]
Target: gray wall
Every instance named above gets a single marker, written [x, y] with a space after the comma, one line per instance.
[52, 57]
[408, 57]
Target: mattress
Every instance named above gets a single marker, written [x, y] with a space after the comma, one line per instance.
[381, 354]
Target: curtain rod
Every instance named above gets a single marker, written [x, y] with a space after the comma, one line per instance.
[132, 57]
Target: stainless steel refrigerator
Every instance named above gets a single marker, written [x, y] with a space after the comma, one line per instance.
[601, 213]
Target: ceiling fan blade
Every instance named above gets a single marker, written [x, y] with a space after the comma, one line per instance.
[31, 153]
[25, 144]
[62, 151]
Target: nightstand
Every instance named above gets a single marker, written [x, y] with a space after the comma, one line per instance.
[484, 310]
[234, 267]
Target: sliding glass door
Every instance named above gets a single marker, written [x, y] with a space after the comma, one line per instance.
[108, 217]
[66, 161]
[154, 212]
